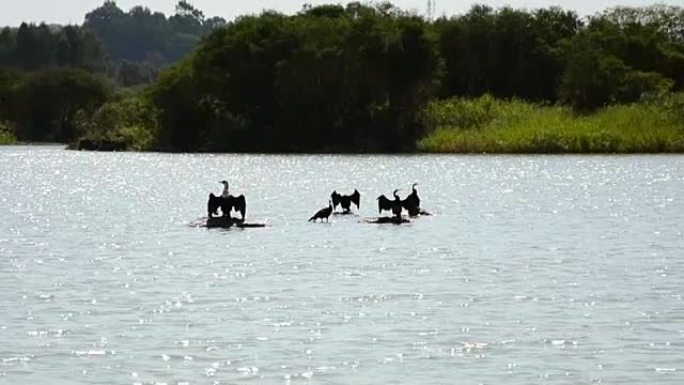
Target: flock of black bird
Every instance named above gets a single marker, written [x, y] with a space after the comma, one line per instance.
[228, 203]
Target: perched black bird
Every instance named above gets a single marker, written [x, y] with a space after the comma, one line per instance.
[412, 202]
[346, 200]
[227, 203]
[395, 206]
[323, 213]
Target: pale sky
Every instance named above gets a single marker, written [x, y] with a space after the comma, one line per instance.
[13, 12]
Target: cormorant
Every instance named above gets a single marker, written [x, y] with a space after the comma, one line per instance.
[227, 203]
[323, 213]
[412, 202]
[395, 206]
[346, 200]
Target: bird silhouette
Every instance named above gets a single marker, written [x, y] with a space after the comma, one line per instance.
[226, 203]
[346, 200]
[323, 213]
[412, 202]
[391, 205]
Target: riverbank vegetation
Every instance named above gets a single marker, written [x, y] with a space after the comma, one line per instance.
[488, 125]
[353, 78]
[6, 136]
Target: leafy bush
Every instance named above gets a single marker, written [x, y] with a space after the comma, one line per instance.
[130, 121]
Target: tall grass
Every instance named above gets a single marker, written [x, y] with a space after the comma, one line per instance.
[488, 125]
[6, 136]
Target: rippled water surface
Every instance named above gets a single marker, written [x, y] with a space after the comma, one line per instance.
[535, 270]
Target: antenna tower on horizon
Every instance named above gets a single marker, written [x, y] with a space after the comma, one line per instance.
[430, 9]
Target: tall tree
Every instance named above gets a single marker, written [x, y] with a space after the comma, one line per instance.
[51, 101]
[327, 77]
[7, 41]
[33, 48]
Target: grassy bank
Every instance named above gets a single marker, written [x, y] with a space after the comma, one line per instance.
[488, 125]
[6, 136]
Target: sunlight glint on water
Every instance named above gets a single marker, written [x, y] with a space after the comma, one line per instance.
[536, 269]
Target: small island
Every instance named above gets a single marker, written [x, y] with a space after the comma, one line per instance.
[353, 78]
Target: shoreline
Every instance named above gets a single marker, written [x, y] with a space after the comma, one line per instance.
[416, 153]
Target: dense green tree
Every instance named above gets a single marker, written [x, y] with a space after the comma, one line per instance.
[132, 73]
[10, 81]
[50, 102]
[108, 22]
[188, 19]
[129, 121]
[668, 19]
[595, 79]
[506, 52]
[79, 48]
[93, 56]
[620, 57]
[327, 78]
[7, 42]
[33, 47]
[183, 121]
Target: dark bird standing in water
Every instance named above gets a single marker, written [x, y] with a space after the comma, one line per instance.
[412, 202]
[226, 203]
[323, 213]
[346, 200]
[395, 206]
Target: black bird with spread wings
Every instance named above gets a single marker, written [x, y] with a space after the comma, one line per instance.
[412, 202]
[346, 200]
[322, 213]
[226, 204]
[395, 205]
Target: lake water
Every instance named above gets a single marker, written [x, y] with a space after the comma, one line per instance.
[534, 270]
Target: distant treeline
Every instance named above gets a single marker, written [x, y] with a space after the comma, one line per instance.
[346, 78]
[129, 47]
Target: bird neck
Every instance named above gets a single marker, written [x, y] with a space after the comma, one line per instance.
[225, 191]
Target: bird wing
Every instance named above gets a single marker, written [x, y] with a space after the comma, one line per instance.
[239, 203]
[213, 204]
[336, 198]
[384, 204]
[356, 198]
